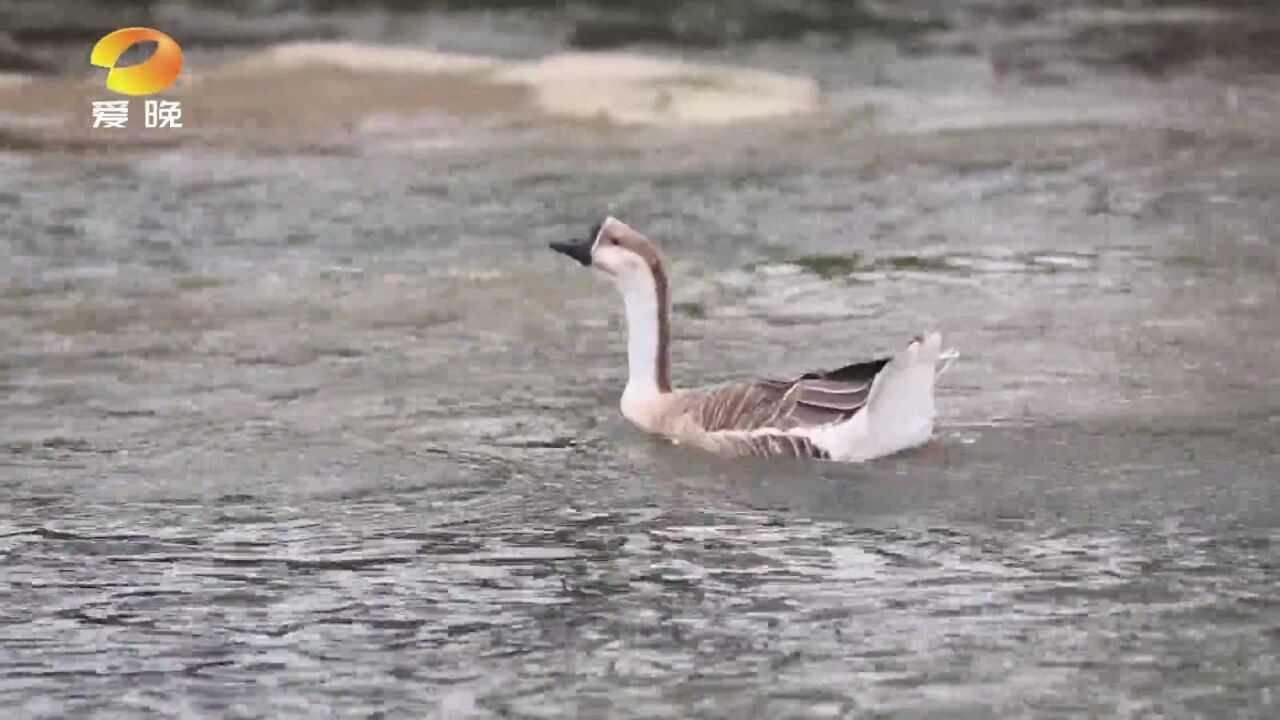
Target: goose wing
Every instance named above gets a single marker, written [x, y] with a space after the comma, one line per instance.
[811, 400]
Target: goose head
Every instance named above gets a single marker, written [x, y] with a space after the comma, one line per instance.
[634, 266]
[616, 251]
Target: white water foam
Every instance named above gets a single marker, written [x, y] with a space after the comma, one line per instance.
[8, 80]
[630, 89]
[363, 57]
[617, 88]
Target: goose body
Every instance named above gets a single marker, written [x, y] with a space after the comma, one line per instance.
[854, 413]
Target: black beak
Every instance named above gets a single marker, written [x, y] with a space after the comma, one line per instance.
[579, 250]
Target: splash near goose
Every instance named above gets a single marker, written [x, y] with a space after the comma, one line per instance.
[858, 412]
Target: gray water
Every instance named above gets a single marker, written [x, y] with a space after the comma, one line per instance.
[313, 433]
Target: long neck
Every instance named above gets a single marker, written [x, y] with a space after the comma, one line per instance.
[648, 335]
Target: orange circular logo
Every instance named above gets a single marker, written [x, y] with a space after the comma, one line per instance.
[147, 78]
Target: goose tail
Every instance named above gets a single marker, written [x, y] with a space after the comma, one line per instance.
[945, 358]
[899, 412]
[900, 409]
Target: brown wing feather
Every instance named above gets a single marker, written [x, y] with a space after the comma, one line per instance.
[765, 445]
[813, 399]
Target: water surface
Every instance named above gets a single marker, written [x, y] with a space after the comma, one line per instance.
[328, 431]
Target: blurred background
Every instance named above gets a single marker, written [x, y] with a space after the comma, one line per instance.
[299, 417]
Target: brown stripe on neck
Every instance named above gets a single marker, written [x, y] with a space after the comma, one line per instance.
[664, 325]
[620, 234]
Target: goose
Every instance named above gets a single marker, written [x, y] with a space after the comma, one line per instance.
[855, 413]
